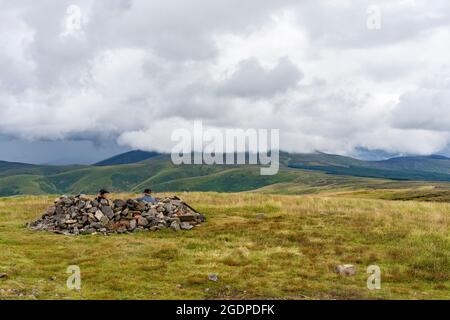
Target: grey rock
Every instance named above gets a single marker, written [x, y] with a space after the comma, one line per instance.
[346, 270]
[142, 221]
[104, 220]
[186, 226]
[175, 225]
[98, 215]
[213, 277]
[120, 203]
[140, 206]
[81, 204]
[96, 225]
[108, 211]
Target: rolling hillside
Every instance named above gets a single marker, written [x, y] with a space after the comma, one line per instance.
[425, 168]
[299, 174]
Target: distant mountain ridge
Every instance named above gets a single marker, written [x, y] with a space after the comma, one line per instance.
[127, 157]
[426, 168]
[133, 171]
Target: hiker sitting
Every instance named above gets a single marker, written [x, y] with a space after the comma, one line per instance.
[102, 196]
[147, 197]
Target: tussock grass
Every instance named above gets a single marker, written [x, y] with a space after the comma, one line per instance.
[289, 252]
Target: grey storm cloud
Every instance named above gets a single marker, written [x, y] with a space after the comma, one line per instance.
[427, 109]
[129, 71]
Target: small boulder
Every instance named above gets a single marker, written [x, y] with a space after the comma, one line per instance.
[347, 270]
[186, 226]
[175, 225]
[142, 222]
[213, 277]
[98, 215]
[104, 220]
[108, 211]
[119, 203]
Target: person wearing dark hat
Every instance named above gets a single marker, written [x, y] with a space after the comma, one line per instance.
[147, 197]
[103, 194]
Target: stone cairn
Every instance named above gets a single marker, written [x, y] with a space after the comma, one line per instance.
[81, 215]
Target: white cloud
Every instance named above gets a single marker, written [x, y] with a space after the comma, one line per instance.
[251, 80]
[138, 69]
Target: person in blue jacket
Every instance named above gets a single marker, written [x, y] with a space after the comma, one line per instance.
[147, 197]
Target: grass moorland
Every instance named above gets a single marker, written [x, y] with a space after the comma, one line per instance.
[290, 253]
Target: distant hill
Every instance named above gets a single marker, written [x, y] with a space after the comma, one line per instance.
[433, 163]
[16, 168]
[128, 157]
[299, 173]
[422, 168]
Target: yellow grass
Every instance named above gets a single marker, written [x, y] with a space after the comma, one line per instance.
[290, 253]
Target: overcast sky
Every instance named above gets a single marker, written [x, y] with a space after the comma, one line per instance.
[81, 80]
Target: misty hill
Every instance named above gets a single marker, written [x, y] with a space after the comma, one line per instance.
[426, 168]
[433, 163]
[299, 173]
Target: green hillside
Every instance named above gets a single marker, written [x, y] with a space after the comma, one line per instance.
[14, 168]
[25, 184]
[299, 174]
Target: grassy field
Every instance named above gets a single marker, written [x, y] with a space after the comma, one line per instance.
[287, 253]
